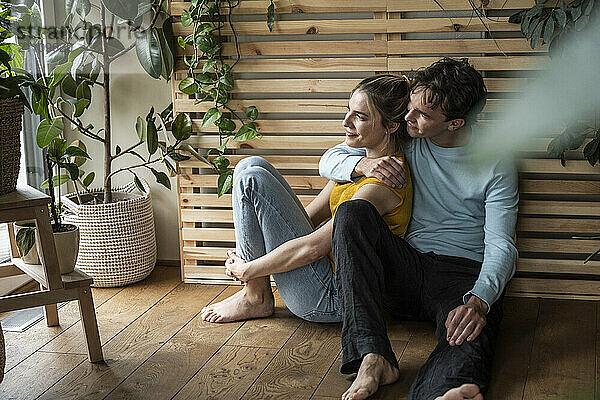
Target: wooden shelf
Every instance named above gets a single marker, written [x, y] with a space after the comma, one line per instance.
[75, 279]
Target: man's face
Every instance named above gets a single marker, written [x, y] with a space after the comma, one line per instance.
[424, 122]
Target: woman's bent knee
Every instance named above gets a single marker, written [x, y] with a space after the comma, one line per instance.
[247, 162]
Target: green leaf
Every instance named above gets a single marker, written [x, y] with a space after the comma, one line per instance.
[225, 182]
[205, 78]
[83, 8]
[517, 18]
[87, 181]
[56, 181]
[537, 34]
[271, 15]
[587, 7]
[226, 124]
[48, 131]
[226, 82]
[221, 163]
[83, 91]
[178, 157]
[182, 127]
[125, 9]
[70, 7]
[74, 151]
[162, 178]
[211, 116]
[73, 170]
[58, 55]
[208, 45]
[592, 150]
[80, 107]
[561, 17]
[59, 73]
[208, 65]
[575, 12]
[188, 86]
[143, 7]
[252, 113]
[69, 86]
[138, 184]
[246, 132]
[167, 48]
[140, 128]
[25, 240]
[152, 137]
[148, 52]
[181, 42]
[549, 30]
[186, 19]
[57, 148]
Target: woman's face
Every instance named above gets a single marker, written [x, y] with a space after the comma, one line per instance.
[363, 127]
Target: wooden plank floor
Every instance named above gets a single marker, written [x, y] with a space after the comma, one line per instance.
[157, 347]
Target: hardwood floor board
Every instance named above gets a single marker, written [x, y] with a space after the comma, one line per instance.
[133, 345]
[335, 383]
[270, 332]
[26, 382]
[228, 374]
[420, 345]
[180, 357]
[563, 362]
[118, 312]
[298, 368]
[20, 345]
[513, 349]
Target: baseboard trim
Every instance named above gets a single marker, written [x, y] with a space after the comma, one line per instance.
[169, 263]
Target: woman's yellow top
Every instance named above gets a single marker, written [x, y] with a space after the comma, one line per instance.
[397, 218]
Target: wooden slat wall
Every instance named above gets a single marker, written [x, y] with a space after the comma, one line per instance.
[300, 76]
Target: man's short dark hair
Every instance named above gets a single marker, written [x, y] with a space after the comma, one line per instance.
[454, 85]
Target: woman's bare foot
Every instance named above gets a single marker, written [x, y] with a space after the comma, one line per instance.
[245, 304]
[374, 371]
[468, 391]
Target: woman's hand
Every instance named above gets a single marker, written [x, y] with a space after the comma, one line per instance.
[236, 268]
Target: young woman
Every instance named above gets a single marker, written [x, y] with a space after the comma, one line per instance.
[277, 236]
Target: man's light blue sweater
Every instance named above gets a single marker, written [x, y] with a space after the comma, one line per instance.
[461, 207]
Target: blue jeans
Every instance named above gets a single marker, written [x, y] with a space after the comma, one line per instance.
[266, 214]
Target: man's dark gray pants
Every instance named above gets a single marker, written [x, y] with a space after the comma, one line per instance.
[376, 271]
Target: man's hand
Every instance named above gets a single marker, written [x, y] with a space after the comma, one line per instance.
[389, 170]
[466, 321]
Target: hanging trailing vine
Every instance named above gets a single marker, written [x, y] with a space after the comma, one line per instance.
[210, 79]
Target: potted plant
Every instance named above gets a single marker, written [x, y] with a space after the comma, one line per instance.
[559, 26]
[58, 155]
[12, 98]
[118, 243]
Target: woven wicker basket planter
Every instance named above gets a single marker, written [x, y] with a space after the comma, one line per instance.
[117, 241]
[11, 113]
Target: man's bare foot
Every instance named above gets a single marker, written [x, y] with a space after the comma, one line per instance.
[374, 371]
[240, 306]
[468, 391]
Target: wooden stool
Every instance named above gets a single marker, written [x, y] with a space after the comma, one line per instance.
[27, 203]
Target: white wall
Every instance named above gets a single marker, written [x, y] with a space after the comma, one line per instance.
[133, 92]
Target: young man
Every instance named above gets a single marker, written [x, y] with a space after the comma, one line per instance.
[457, 256]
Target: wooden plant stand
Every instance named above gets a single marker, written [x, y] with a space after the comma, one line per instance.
[27, 203]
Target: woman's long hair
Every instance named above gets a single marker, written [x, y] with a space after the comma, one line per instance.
[388, 95]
